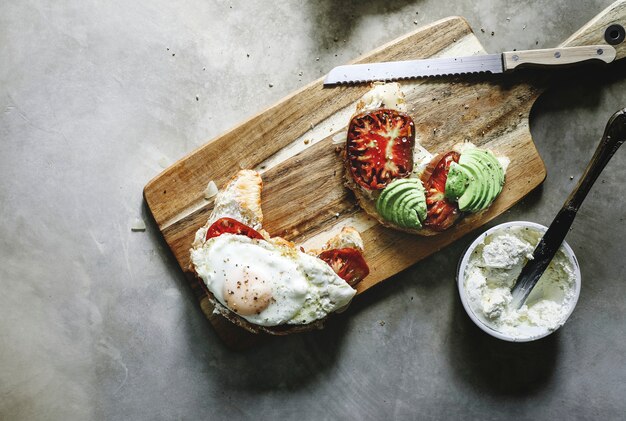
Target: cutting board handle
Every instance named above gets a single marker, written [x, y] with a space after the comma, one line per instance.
[608, 27]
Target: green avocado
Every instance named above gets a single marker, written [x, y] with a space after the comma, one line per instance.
[412, 209]
[486, 178]
[473, 189]
[493, 186]
[488, 192]
[391, 194]
[482, 186]
[457, 182]
[403, 203]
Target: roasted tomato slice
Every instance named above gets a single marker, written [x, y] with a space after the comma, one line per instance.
[231, 226]
[442, 213]
[348, 263]
[380, 147]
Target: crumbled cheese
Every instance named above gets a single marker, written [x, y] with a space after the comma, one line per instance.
[211, 190]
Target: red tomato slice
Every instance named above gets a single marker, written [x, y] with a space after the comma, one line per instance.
[231, 226]
[428, 171]
[441, 213]
[348, 263]
[380, 147]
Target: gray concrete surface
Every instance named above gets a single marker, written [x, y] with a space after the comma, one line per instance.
[96, 321]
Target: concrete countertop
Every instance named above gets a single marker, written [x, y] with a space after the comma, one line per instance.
[97, 322]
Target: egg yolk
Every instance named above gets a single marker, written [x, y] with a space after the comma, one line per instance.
[247, 294]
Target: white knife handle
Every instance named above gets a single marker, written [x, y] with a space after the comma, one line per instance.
[557, 56]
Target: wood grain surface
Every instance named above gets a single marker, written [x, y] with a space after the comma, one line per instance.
[293, 144]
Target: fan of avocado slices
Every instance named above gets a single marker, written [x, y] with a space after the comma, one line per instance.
[403, 203]
[475, 181]
[472, 184]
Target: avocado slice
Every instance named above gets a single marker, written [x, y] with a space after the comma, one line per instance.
[470, 162]
[403, 202]
[495, 179]
[408, 207]
[489, 158]
[468, 196]
[412, 209]
[490, 190]
[457, 182]
[482, 185]
[489, 179]
[390, 194]
[406, 216]
[476, 190]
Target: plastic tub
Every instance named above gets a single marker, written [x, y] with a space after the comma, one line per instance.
[477, 319]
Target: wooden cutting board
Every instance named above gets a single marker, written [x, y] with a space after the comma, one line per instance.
[293, 145]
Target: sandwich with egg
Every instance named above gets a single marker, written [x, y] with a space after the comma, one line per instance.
[268, 284]
[400, 183]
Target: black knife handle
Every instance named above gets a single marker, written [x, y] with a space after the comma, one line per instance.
[614, 136]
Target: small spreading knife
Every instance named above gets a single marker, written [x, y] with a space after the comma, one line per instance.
[485, 63]
[614, 136]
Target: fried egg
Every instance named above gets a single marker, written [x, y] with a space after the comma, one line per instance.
[269, 284]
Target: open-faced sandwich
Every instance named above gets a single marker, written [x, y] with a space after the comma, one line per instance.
[401, 184]
[267, 284]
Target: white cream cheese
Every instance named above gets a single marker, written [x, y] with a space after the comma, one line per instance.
[491, 272]
[383, 95]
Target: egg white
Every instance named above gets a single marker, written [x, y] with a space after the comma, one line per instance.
[303, 287]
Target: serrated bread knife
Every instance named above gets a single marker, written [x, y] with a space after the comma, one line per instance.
[485, 63]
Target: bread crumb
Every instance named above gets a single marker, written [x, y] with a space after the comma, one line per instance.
[138, 225]
[211, 190]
